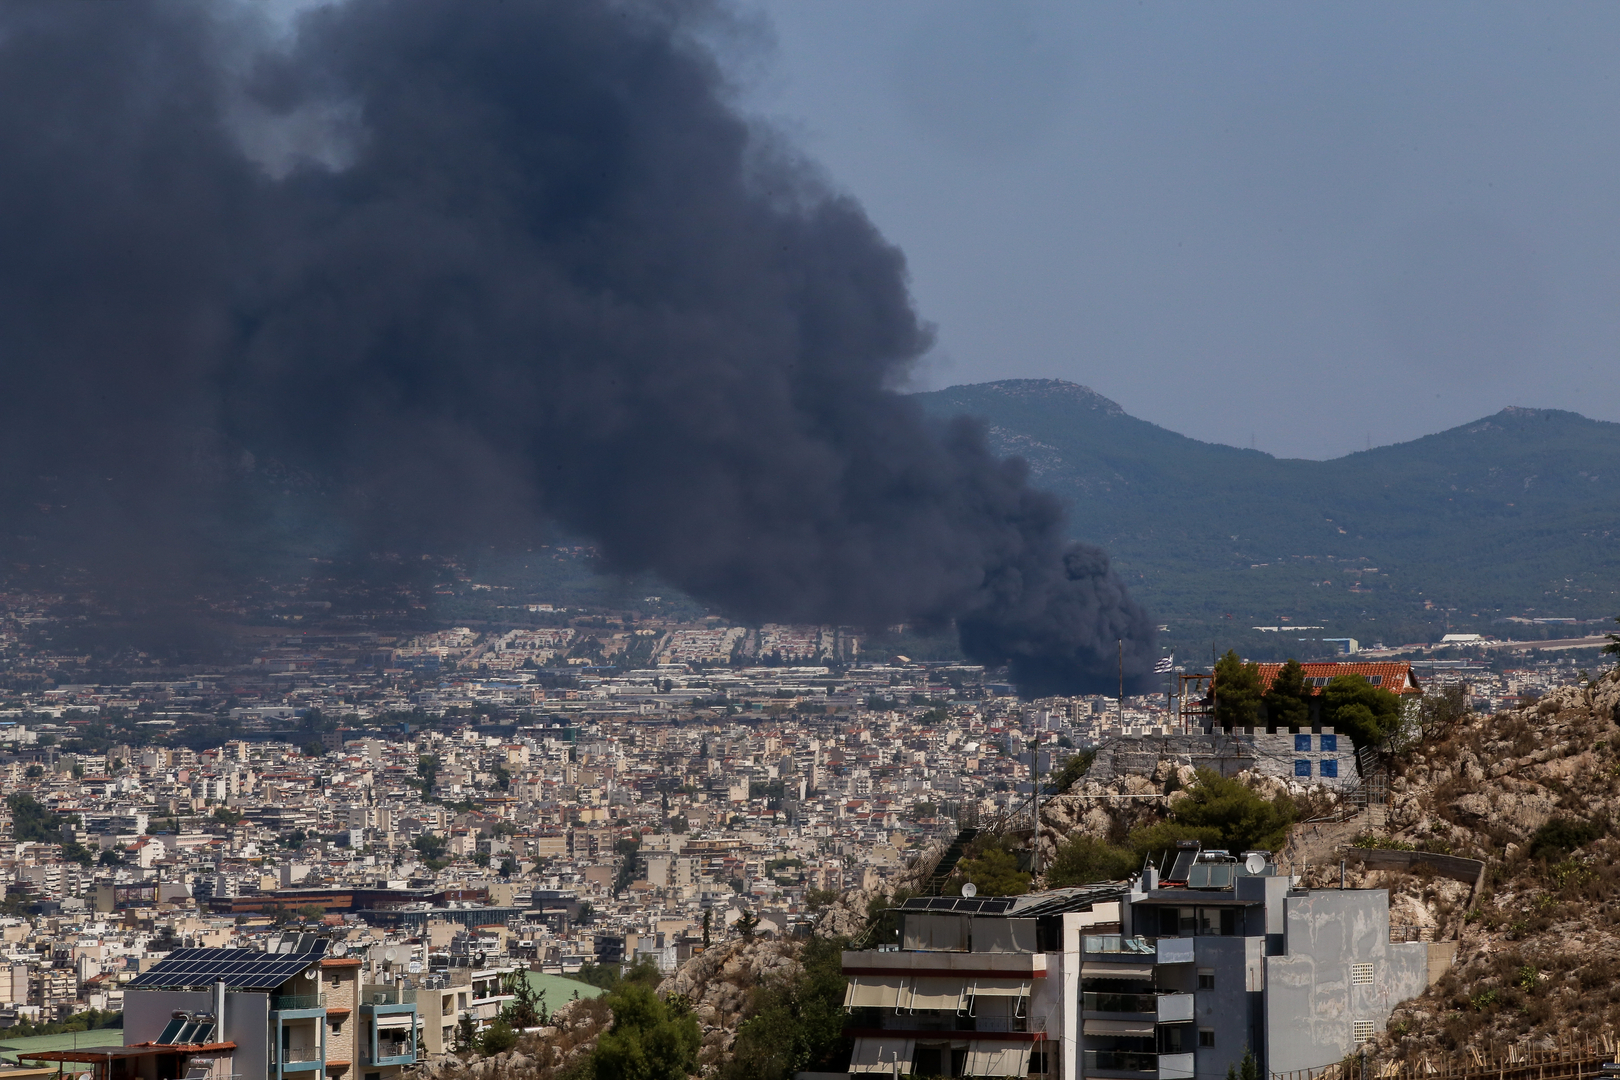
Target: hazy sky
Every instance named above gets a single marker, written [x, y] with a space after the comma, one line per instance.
[1310, 225]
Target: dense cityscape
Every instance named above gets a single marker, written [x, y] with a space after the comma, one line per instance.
[598, 791]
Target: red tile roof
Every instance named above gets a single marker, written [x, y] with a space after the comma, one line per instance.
[1395, 675]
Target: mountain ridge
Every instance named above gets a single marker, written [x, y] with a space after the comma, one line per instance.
[1512, 514]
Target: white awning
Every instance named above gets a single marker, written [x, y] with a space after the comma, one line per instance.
[874, 992]
[946, 994]
[988, 1058]
[1096, 970]
[1135, 1028]
[396, 1020]
[880, 1055]
[1001, 988]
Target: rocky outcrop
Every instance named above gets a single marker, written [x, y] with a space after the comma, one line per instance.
[1534, 792]
[717, 984]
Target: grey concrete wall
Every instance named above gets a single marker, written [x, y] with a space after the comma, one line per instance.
[1227, 754]
[247, 1024]
[1238, 966]
[148, 1012]
[1311, 1004]
[247, 1020]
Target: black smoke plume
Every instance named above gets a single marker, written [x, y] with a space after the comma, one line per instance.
[472, 265]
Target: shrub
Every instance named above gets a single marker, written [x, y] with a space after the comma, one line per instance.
[1562, 835]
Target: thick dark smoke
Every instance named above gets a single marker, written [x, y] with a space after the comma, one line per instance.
[473, 264]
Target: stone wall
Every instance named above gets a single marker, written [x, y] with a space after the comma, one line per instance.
[1320, 757]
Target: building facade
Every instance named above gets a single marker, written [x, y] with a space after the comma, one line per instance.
[1174, 976]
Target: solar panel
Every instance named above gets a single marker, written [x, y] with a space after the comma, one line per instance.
[236, 968]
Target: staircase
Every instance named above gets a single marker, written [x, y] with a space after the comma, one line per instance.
[947, 862]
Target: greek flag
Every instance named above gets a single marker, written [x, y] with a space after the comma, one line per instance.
[1164, 665]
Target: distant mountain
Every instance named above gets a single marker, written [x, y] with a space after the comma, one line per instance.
[1517, 514]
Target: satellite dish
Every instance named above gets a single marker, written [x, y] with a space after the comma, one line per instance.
[1255, 863]
[311, 974]
[391, 954]
[340, 949]
[970, 890]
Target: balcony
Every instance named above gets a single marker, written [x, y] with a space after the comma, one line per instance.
[1162, 1008]
[384, 994]
[293, 1003]
[394, 1052]
[1119, 947]
[1128, 1065]
[299, 1059]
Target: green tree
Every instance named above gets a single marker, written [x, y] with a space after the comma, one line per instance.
[509, 867]
[1368, 714]
[708, 920]
[1082, 859]
[1217, 812]
[31, 821]
[1287, 700]
[228, 817]
[430, 845]
[497, 1038]
[1247, 1069]
[528, 1007]
[1237, 692]
[993, 869]
[1074, 767]
[427, 771]
[747, 925]
[1236, 818]
[314, 749]
[650, 1039]
[467, 1034]
[796, 1024]
[1613, 647]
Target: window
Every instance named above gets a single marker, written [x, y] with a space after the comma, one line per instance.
[1302, 767]
[1376, 680]
[1361, 974]
[1329, 767]
[1206, 978]
[1302, 744]
[1217, 922]
[1364, 1031]
[1206, 1036]
[1330, 742]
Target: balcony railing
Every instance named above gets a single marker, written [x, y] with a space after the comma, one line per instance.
[1164, 1007]
[290, 1002]
[1134, 1064]
[1008, 1023]
[1119, 943]
[1160, 950]
[293, 1056]
[1122, 1061]
[392, 1052]
[1120, 1003]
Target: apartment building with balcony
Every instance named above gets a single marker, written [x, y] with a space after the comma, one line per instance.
[1172, 976]
[292, 1012]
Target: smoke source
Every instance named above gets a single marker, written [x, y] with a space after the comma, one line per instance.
[474, 265]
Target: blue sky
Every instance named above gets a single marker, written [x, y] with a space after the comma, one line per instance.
[1307, 225]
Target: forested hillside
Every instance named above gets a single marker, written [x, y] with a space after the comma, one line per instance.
[1513, 515]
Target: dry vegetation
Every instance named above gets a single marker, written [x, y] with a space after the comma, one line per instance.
[1534, 793]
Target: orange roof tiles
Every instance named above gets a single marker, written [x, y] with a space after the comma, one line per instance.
[1393, 675]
